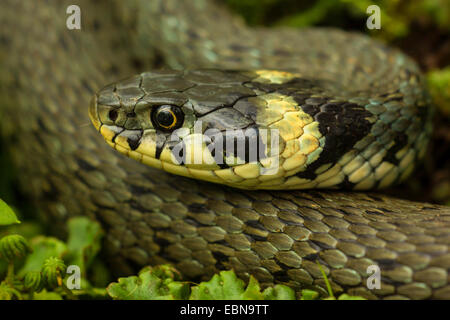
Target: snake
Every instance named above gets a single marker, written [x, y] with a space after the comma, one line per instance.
[347, 112]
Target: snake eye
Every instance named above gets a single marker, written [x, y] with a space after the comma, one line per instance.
[167, 117]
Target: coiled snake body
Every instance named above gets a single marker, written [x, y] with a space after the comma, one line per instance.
[151, 217]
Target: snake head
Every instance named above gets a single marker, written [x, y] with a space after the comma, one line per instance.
[187, 122]
[247, 129]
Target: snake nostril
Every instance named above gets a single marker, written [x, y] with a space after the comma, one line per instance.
[113, 115]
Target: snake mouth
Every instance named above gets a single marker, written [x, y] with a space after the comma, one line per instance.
[93, 113]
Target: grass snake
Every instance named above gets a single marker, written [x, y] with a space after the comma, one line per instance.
[340, 81]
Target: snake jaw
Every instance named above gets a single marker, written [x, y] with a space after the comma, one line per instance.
[93, 113]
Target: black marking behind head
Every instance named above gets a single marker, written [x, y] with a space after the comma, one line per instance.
[342, 124]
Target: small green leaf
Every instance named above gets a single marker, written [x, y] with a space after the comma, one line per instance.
[309, 294]
[165, 271]
[253, 291]
[45, 295]
[7, 215]
[227, 286]
[279, 292]
[84, 241]
[148, 286]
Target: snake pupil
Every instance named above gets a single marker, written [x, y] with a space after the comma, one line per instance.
[165, 118]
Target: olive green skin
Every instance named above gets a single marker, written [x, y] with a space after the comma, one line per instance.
[49, 74]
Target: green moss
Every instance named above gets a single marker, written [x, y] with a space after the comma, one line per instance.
[397, 17]
[439, 84]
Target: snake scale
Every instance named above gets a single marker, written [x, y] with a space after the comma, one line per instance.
[49, 75]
